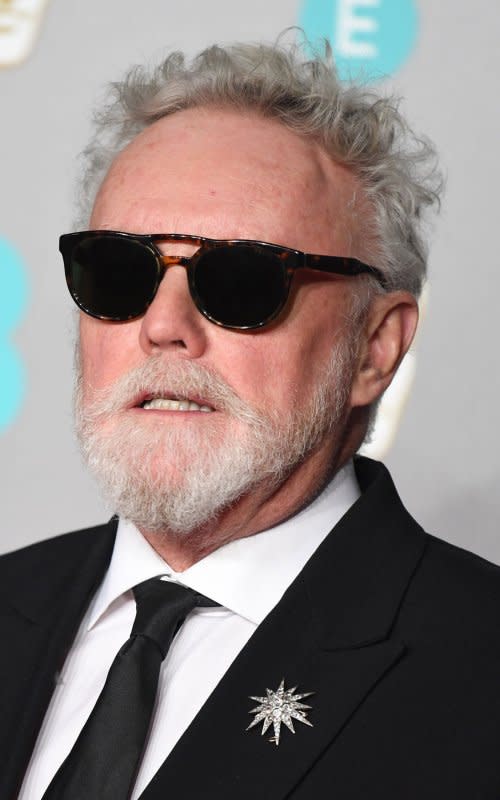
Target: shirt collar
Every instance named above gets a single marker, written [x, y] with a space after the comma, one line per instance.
[133, 561]
[248, 576]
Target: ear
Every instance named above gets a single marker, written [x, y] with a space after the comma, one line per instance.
[388, 333]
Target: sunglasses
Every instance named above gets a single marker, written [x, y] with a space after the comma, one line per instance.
[236, 283]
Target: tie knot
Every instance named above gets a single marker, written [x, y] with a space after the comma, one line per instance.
[161, 608]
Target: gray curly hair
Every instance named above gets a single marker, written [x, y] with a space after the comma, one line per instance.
[358, 128]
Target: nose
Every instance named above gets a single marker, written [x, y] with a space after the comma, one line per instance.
[172, 321]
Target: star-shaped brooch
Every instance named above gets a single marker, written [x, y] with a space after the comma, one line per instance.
[280, 707]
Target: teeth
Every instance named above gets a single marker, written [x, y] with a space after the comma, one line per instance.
[162, 404]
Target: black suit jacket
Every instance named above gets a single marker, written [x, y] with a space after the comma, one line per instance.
[397, 633]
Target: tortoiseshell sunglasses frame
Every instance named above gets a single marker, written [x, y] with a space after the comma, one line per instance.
[291, 260]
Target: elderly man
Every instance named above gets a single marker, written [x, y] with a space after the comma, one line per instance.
[262, 618]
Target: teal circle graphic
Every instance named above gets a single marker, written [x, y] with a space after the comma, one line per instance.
[371, 39]
[13, 302]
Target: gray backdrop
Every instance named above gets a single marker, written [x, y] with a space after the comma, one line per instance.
[445, 458]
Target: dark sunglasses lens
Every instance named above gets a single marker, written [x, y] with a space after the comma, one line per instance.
[240, 286]
[112, 277]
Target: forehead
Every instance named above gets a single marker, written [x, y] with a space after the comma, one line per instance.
[222, 173]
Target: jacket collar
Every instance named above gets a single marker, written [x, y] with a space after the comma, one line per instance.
[361, 568]
[356, 579]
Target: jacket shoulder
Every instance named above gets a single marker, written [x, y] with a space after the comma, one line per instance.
[461, 568]
[41, 570]
[457, 592]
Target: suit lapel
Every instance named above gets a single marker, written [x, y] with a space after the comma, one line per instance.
[40, 614]
[330, 635]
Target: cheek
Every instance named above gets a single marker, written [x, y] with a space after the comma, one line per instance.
[107, 350]
[275, 370]
[281, 366]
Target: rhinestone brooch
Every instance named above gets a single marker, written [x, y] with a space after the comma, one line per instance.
[280, 708]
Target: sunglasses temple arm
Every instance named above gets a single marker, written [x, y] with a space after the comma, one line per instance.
[341, 266]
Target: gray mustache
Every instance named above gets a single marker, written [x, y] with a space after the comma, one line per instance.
[159, 377]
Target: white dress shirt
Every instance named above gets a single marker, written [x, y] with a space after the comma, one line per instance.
[247, 577]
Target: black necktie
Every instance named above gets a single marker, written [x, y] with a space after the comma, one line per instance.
[105, 758]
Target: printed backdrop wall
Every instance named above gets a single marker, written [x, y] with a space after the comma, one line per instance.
[56, 57]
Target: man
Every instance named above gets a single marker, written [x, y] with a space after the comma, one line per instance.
[226, 381]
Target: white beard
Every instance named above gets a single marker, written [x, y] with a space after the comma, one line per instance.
[204, 475]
